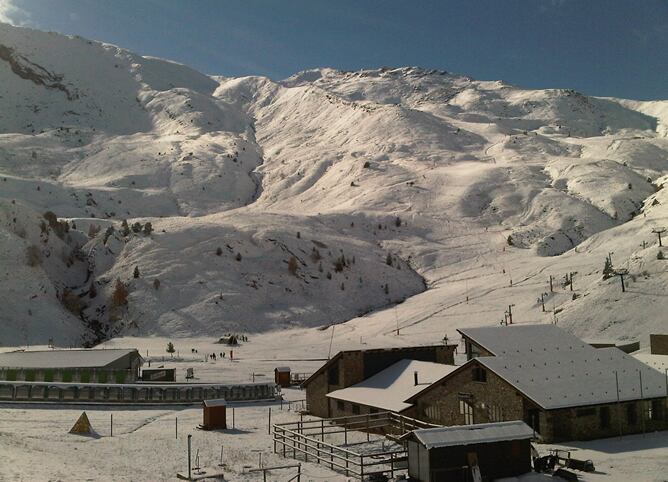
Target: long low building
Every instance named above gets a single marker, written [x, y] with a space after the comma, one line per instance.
[79, 365]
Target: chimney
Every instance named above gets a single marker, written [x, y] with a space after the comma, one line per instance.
[415, 377]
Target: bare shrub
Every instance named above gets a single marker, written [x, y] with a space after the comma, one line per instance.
[292, 266]
[72, 302]
[93, 230]
[33, 255]
[120, 295]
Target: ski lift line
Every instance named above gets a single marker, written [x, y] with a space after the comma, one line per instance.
[452, 305]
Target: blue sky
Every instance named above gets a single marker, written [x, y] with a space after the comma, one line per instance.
[608, 48]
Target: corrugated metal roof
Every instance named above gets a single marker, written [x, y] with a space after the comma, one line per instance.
[473, 434]
[556, 369]
[390, 388]
[63, 358]
[660, 362]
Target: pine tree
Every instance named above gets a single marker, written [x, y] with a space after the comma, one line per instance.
[170, 348]
[608, 271]
[135, 274]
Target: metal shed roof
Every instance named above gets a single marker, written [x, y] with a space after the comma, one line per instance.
[472, 434]
[216, 402]
[84, 358]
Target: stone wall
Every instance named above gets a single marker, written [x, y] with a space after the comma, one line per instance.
[586, 423]
[492, 401]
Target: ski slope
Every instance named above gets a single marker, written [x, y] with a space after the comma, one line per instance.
[380, 198]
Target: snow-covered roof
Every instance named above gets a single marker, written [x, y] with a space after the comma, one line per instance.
[473, 434]
[63, 358]
[282, 369]
[217, 402]
[390, 388]
[556, 369]
[660, 362]
[522, 339]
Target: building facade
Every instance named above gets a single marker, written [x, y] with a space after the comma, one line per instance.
[348, 368]
[563, 388]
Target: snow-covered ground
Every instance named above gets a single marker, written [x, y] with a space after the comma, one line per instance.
[35, 443]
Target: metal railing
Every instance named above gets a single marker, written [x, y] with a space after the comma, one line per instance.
[306, 440]
[132, 394]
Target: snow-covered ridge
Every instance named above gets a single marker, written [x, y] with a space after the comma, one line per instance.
[303, 202]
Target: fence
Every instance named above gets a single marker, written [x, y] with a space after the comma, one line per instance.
[306, 440]
[131, 394]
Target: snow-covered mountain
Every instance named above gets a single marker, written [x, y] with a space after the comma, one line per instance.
[254, 205]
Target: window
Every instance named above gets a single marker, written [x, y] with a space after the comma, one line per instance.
[432, 412]
[356, 409]
[333, 374]
[340, 405]
[656, 410]
[466, 409]
[604, 417]
[585, 412]
[631, 414]
[479, 374]
[494, 413]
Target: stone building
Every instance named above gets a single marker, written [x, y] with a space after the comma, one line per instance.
[562, 387]
[387, 390]
[348, 368]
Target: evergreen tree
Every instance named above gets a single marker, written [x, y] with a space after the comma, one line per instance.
[608, 271]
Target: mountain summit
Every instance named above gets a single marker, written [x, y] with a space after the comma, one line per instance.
[138, 196]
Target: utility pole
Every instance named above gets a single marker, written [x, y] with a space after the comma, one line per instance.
[542, 301]
[510, 313]
[621, 273]
[551, 288]
[659, 231]
[331, 339]
[396, 318]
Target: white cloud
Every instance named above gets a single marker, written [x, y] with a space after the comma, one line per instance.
[13, 14]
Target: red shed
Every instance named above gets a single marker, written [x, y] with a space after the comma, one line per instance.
[214, 414]
[282, 376]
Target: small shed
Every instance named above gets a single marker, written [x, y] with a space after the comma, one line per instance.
[214, 412]
[454, 454]
[282, 376]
